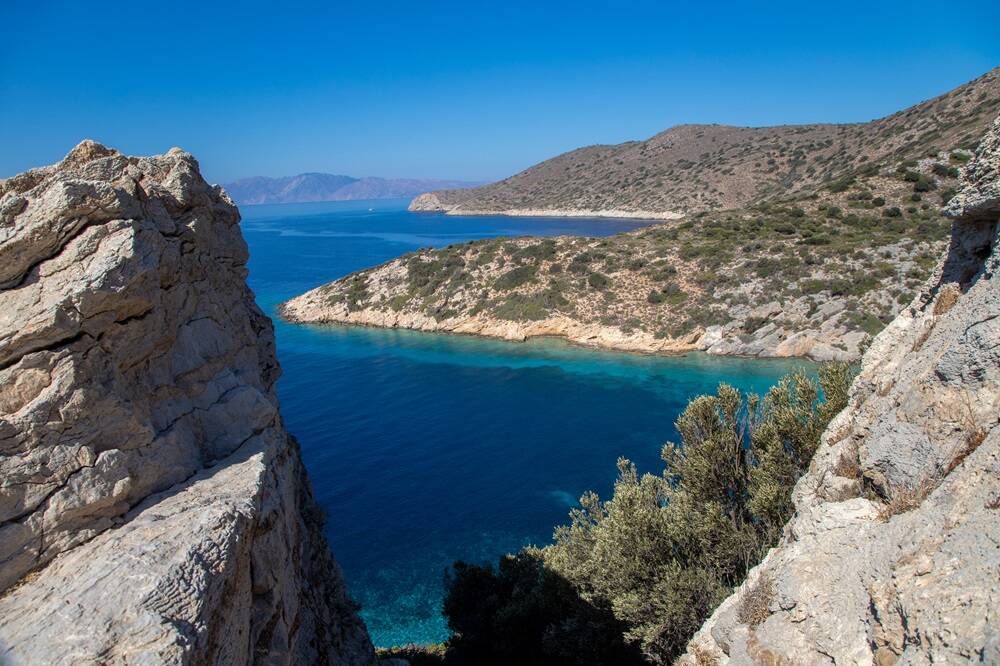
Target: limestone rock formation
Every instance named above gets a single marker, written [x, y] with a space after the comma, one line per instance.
[893, 553]
[152, 507]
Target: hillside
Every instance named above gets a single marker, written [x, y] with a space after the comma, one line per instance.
[814, 272]
[307, 187]
[899, 507]
[694, 168]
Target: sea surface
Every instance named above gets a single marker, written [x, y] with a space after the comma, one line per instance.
[425, 448]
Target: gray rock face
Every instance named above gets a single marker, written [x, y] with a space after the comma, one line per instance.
[980, 198]
[893, 553]
[152, 507]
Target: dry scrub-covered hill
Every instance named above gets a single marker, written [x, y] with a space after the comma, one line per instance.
[807, 241]
[692, 168]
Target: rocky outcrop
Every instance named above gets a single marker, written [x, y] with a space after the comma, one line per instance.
[152, 507]
[893, 552]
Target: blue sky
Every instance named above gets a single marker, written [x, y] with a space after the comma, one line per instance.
[471, 90]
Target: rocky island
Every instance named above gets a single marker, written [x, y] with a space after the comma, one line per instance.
[827, 245]
[153, 509]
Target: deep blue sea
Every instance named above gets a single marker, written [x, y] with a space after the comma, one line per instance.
[425, 448]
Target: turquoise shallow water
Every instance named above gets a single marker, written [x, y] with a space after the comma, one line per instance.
[427, 448]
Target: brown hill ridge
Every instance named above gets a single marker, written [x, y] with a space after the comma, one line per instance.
[693, 168]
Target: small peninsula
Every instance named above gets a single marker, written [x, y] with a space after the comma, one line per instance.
[812, 264]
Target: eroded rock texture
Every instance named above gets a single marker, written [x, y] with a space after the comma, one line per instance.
[152, 507]
[893, 555]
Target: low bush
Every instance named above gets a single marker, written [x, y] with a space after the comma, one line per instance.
[944, 170]
[515, 278]
[597, 280]
[924, 184]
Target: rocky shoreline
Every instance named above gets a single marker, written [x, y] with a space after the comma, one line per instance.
[431, 203]
[311, 308]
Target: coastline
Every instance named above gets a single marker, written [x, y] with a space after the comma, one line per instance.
[566, 212]
[592, 336]
[431, 203]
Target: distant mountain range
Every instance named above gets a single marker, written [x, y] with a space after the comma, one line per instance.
[307, 187]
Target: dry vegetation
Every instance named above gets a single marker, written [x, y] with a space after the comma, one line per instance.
[831, 237]
[755, 604]
[693, 168]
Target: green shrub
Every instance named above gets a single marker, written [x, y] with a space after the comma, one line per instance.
[597, 280]
[543, 250]
[924, 184]
[666, 549]
[652, 562]
[654, 297]
[944, 170]
[892, 211]
[515, 277]
[580, 263]
[531, 307]
[866, 322]
[841, 185]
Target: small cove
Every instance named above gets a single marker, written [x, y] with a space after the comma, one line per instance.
[426, 448]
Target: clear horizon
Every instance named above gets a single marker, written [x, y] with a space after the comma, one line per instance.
[454, 91]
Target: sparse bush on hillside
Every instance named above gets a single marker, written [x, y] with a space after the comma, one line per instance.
[924, 184]
[516, 277]
[944, 170]
[597, 280]
[664, 550]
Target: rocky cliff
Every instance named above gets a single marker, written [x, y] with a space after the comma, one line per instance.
[893, 552]
[153, 509]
